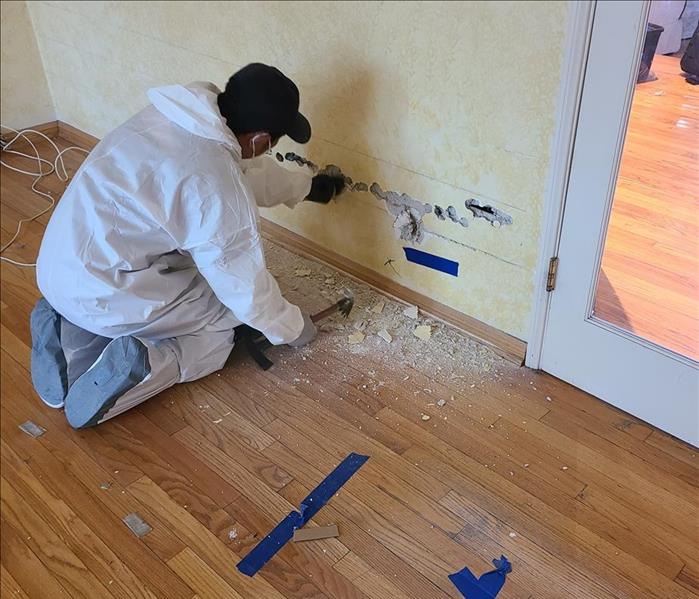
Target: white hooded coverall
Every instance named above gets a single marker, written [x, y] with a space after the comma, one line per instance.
[156, 237]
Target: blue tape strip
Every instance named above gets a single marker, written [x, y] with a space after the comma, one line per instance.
[431, 261]
[310, 506]
[487, 586]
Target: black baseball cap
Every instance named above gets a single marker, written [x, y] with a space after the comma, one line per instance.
[261, 98]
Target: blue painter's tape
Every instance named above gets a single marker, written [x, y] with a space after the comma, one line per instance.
[487, 586]
[310, 506]
[431, 261]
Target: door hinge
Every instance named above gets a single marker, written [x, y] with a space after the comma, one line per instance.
[553, 272]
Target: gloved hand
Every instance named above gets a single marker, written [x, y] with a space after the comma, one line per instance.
[307, 335]
[325, 187]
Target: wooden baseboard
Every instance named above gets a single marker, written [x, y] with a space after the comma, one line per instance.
[49, 129]
[503, 344]
[76, 136]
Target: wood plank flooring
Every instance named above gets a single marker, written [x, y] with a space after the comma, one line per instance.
[586, 501]
[649, 281]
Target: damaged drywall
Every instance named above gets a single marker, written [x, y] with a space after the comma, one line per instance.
[329, 169]
[336, 171]
[408, 212]
[300, 160]
[455, 218]
[494, 216]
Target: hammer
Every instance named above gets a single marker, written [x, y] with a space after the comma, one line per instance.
[255, 342]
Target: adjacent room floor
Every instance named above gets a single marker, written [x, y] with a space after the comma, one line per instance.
[649, 281]
[470, 458]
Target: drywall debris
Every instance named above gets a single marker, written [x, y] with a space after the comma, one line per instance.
[441, 402]
[425, 417]
[355, 338]
[455, 218]
[360, 325]
[32, 429]
[385, 335]
[494, 216]
[232, 534]
[423, 332]
[302, 272]
[136, 524]
[293, 157]
[316, 533]
[378, 308]
[408, 213]
[411, 312]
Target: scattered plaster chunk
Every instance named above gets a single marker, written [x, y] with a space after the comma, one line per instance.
[411, 312]
[423, 332]
[385, 335]
[355, 338]
[378, 308]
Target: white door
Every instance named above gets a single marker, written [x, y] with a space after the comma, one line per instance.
[624, 362]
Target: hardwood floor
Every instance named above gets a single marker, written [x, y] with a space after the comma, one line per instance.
[649, 282]
[587, 502]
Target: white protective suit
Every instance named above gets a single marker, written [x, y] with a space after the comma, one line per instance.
[156, 237]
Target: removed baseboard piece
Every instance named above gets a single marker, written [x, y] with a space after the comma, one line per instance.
[316, 533]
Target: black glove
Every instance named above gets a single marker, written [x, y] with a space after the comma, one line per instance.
[325, 187]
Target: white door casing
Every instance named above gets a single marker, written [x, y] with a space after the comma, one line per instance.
[636, 375]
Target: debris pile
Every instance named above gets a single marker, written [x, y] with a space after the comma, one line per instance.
[382, 328]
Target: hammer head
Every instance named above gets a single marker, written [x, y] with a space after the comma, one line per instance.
[345, 305]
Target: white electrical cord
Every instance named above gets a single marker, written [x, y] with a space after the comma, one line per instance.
[62, 175]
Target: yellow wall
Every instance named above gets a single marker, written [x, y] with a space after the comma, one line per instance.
[443, 101]
[24, 93]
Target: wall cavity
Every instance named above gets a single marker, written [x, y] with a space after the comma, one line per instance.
[494, 216]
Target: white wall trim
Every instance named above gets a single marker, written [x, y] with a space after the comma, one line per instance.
[577, 40]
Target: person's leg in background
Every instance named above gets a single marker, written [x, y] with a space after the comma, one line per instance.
[133, 369]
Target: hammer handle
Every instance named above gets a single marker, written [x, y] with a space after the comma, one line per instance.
[325, 313]
[260, 339]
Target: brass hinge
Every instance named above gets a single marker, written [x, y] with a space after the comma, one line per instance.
[553, 271]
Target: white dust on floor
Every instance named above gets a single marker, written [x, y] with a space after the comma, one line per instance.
[446, 355]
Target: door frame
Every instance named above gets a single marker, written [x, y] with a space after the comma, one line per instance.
[577, 43]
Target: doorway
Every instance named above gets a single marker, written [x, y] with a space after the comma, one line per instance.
[623, 319]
